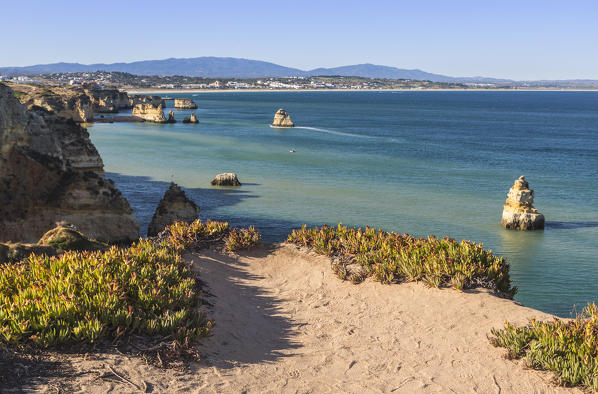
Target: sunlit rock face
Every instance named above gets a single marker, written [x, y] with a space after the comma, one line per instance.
[519, 212]
[150, 112]
[184, 103]
[282, 119]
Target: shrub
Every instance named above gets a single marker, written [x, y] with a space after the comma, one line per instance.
[568, 348]
[391, 257]
[244, 238]
[199, 234]
[85, 296]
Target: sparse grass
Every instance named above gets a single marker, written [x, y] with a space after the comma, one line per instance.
[19, 94]
[391, 257]
[569, 349]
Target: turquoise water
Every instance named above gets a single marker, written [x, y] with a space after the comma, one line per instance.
[417, 162]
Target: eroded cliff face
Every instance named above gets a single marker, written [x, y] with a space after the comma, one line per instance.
[150, 113]
[50, 172]
[108, 100]
[142, 99]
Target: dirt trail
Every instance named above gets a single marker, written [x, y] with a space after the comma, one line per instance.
[285, 323]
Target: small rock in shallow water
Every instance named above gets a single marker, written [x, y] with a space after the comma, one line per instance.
[226, 179]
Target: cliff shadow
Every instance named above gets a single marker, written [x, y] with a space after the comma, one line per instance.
[568, 225]
[144, 194]
[251, 326]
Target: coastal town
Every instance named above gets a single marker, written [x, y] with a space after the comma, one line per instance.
[125, 81]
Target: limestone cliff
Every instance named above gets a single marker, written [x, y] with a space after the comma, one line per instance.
[49, 172]
[184, 103]
[519, 212]
[174, 207]
[70, 103]
[282, 119]
[150, 113]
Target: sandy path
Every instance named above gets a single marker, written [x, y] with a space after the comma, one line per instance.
[285, 323]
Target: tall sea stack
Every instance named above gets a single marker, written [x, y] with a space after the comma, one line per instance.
[282, 119]
[519, 212]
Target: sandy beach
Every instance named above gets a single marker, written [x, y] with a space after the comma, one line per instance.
[286, 324]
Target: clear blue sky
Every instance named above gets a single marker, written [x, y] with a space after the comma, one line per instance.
[524, 39]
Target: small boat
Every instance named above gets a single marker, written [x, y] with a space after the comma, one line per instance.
[292, 151]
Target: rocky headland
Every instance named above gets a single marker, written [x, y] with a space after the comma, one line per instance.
[282, 119]
[50, 172]
[184, 103]
[175, 206]
[519, 212]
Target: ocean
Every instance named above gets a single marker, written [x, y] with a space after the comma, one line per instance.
[417, 162]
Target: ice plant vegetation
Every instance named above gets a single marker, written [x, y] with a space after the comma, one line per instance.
[83, 296]
[198, 234]
[567, 348]
[390, 257]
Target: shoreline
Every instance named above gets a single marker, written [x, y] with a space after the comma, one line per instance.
[176, 91]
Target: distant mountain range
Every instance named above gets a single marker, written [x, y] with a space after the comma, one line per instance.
[228, 67]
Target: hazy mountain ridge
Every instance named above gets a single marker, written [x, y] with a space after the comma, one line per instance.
[228, 67]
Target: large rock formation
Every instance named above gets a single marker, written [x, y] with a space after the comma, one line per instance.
[50, 172]
[226, 179]
[519, 212]
[150, 113]
[282, 119]
[108, 100]
[184, 103]
[174, 207]
[191, 119]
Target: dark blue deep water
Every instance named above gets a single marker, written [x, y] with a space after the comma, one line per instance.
[417, 162]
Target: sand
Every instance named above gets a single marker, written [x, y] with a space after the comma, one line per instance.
[286, 324]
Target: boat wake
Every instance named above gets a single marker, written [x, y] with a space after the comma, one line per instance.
[333, 132]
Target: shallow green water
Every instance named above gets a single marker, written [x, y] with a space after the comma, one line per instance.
[416, 162]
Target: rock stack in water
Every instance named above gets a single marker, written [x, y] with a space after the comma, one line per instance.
[184, 103]
[174, 207]
[519, 212]
[226, 179]
[150, 112]
[282, 119]
[191, 119]
[171, 117]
